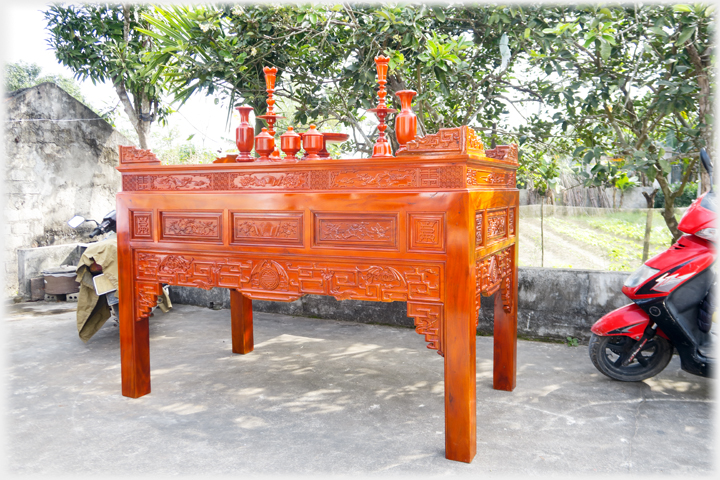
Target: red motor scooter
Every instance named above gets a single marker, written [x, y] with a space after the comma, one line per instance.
[673, 295]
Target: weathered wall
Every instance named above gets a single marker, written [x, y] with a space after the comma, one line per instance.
[55, 167]
[553, 303]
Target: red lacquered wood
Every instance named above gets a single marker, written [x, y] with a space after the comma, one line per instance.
[245, 133]
[264, 144]
[435, 227]
[313, 142]
[242, 322]
[290, 142]
[406, 120]
[331, 137]
[382, 148]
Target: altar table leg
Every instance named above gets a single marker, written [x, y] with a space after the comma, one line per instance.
[460, 401]
[505, 341]
[134, 349]
[242, 322]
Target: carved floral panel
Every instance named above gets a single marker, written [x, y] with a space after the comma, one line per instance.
[355, 230]
[494, 273]
[191, 226]
[496, 225]
[479, 228]
[265, 278]
[511, 221]
[426, 232]
[490, 179]
[267, 228]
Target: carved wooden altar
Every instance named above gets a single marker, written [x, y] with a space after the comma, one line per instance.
[435, 227]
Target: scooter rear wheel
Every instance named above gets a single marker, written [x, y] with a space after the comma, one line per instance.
[606, 352]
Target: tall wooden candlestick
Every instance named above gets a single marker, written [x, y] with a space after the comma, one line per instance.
[382, 146]
[271, 117]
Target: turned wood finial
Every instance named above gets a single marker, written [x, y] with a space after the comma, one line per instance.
[382, 146]
[271, 117]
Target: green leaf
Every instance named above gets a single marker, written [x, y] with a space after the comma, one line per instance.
[527, 33]
[682, 8]
[685, 35]
[605, 50]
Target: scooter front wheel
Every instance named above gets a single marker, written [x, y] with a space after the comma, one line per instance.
[607, 353]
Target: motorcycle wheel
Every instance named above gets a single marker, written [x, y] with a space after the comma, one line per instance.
[605, 353]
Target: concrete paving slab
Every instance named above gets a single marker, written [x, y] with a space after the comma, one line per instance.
[327, 397]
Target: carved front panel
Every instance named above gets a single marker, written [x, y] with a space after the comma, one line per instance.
[290, 180]
[479, 228]
[191, 227]
[141, 225]
[511, 221]
[426, 232]
[267, 228]
[494, 273]
[261, 277]
[490, 179]
[355, 230]
[496, 225]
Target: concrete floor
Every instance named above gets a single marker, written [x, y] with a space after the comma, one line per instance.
[327, 397]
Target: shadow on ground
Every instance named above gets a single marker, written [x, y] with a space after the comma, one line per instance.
[327, 397]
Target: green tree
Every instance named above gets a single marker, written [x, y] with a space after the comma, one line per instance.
[25, 75]
[632, 83]
[459, 59]
[102, 42]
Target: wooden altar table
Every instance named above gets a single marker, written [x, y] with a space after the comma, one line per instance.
[435, 227]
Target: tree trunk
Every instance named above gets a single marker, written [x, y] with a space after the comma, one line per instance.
[650, 199]
[705, 108]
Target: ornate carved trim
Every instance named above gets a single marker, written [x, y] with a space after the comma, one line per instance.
[447, 140]
[141, 225]
[264, 228]
[480, 178]
[511, 221]
[494, 273]
[474, 144]
[265, 278]
[181, 182]
[145, 298]
[359, 178]
[191, 227]
[295, 180]
[496, 225]
[448, 176]
[130, 155]
[428, 322]
[479, 229]
[508, 153]
[426, 232]
[354, 230]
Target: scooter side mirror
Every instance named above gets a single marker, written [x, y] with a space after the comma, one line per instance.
[76, 221]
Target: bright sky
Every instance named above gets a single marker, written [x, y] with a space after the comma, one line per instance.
[24, 39]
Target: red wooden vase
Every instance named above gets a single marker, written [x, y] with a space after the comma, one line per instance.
[406, 120]
[313, 141]
[290, 143]
[245, 133]
[264, 144]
